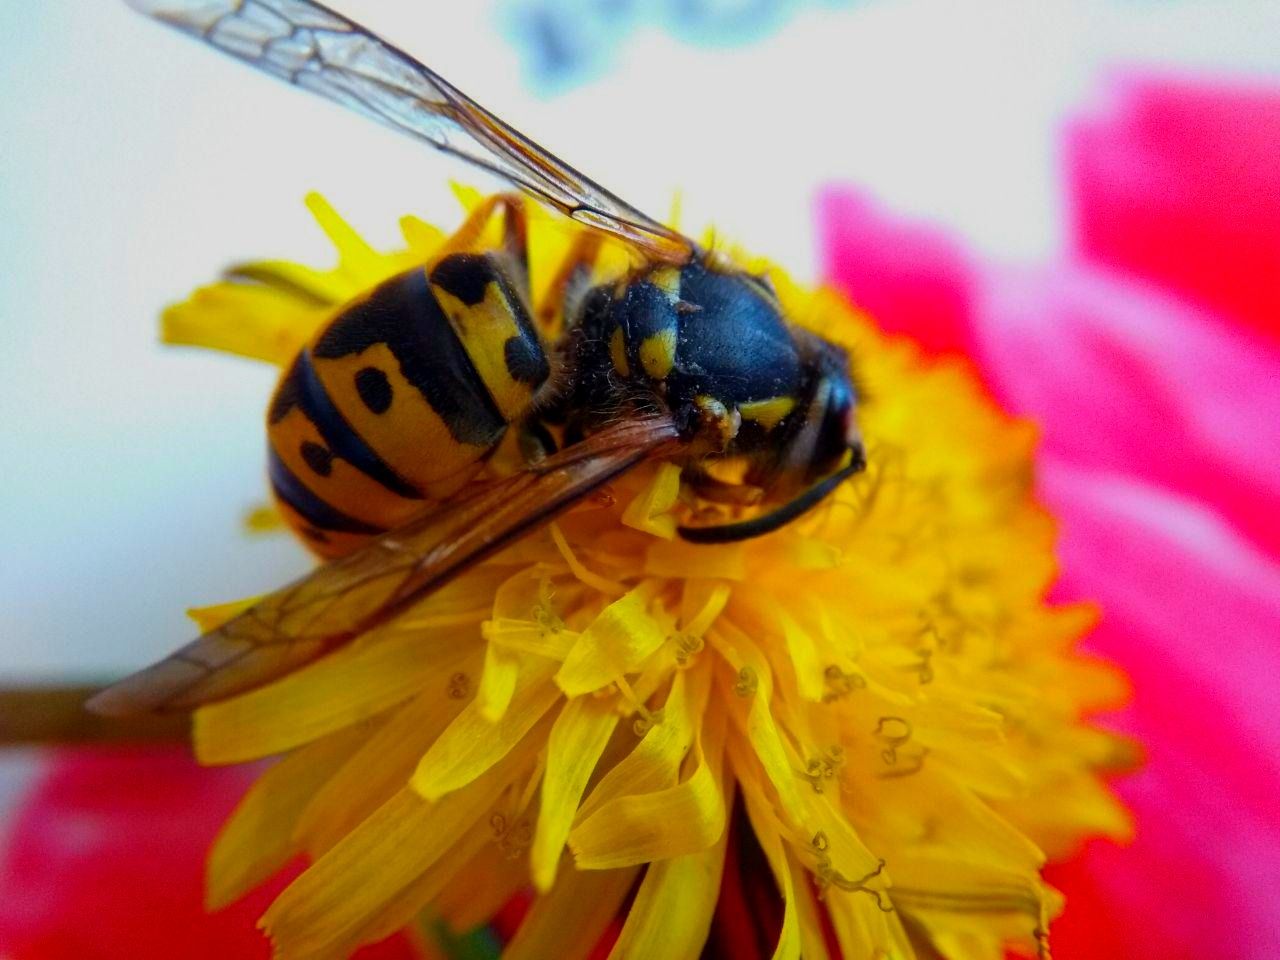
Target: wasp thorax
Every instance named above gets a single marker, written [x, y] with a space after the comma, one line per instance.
[713, 348]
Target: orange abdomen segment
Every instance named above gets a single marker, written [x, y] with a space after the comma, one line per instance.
[396, 402]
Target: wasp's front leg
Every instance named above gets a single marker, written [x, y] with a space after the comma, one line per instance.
[535, 441]
[514, 251]
[714, 490]
[569, 285]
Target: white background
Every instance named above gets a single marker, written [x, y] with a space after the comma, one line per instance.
[133, 164]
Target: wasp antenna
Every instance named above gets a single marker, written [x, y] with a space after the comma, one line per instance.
[769, 522]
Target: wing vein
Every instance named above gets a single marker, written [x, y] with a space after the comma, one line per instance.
[317, 49]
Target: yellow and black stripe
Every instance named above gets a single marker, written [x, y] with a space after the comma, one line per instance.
[398, 400]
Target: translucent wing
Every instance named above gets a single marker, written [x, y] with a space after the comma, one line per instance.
[348, 596]
[315, 48]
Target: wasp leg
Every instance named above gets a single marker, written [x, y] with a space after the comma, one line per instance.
[569, 284]
[714, 490]
[515, 234]
[535, 441]
[768, 522]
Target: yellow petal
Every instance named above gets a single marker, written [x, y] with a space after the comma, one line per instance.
[471, 744]
[677, 558]
[263, 518]
[568, 922]
[497, 682]
[356, 258]
[212, 617]
[757, 684]
[964, 823]
[525, 619]
[481, 885]
[650, 512]
[975, 902]
[465, 601]
[468, 196]
[578, 738]
[422, 237]
[654, 764]
[639, 828]
[796, 883]
[865, 928]
[845, 849]
[347, 888]
[800, 644]
[701, 602]
[1078, 800]
[813, 938]
[614, 644]
[529, 637]
[814, 815]
[400, 910]
[304, 284]
[249, 321]
[258, 838]
[610, 588]
[343, 688]
[380, 766]
[768, 833]
[673, 907]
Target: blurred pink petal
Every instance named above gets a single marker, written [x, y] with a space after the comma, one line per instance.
[911, 278]
[1161, 418]
[1163, 562]
[105, 861]
[1118, 372]
[1125, 377]
[1192, 611]
[1179, 183]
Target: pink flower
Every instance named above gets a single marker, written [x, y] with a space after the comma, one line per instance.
[1148, 358]
[105, 861]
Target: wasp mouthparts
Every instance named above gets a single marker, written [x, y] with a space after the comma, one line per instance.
[857, 451]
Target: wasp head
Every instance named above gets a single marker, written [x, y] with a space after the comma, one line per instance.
[822, 436]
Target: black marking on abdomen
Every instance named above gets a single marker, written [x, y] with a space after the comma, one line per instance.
[525, 365]
[303, 389]
[404, 314]
[318, 458]
[374, 389]
[318, 513]
[467, 276]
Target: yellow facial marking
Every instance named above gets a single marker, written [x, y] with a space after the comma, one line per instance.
[618, 352]
[658, 353]
[484, 329]
[767, 413]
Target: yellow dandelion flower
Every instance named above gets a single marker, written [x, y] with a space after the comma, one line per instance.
[875, 699]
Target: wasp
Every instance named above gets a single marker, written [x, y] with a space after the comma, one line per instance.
[380, 429]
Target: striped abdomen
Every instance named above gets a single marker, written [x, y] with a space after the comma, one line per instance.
[398, 400]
